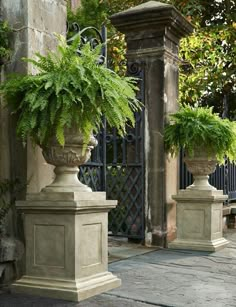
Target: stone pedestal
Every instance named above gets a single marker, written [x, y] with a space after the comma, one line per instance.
[199, 220]
[66, 245]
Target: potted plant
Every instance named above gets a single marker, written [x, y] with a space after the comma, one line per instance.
[205, 138]
[4, 42]
[61, 105]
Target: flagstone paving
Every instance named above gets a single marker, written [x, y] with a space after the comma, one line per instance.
[162, 277]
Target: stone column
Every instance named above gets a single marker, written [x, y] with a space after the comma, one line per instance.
[153, 31]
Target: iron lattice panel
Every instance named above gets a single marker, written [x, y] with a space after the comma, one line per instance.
[117, 164]
[124, 183]
[117, 167]
[91, 175]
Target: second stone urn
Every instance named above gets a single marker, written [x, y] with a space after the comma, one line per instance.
[201, 165]
[199, 208]
[67, 160]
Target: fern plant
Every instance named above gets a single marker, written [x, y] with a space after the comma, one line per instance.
[194, 127]
[70, 90]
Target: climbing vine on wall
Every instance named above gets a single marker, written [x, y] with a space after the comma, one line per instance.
[5, 51]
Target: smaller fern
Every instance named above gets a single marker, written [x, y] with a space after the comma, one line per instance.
[69, 90]
[193, 127]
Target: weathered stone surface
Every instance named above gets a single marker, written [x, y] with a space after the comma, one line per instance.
[34, 23]
[152, 15]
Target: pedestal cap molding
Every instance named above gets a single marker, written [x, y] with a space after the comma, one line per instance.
[200, 195]
[76, 207]
[61, 196]
[150, 15]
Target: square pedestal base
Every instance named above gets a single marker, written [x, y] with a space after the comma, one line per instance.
[66, 237]
[198, 245]
[199, 220]
[76, 290]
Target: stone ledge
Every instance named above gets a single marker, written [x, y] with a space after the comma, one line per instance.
[66, 206]
[199, 245]
[67, 196]
[152, 15]
[233, 209]
[204, 196]
[74, 290]
[226, 210]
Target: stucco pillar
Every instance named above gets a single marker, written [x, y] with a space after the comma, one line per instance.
[153, 31]
[34, 23]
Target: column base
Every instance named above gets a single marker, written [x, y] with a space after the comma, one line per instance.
[72, 290]
[199, 245]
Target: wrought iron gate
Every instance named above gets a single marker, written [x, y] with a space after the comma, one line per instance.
[117, 167]
[117, 164]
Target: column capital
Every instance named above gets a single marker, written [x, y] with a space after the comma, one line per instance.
[152, 16]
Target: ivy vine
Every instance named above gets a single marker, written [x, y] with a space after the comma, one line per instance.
[5, 50]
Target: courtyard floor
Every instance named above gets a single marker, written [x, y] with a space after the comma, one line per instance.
[157, 278]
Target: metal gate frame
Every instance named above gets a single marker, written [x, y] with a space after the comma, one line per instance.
[117, 167]
[117, 164]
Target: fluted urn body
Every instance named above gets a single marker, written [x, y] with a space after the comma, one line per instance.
[67, 160]
[200, 165]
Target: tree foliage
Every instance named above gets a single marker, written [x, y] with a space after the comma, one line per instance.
[207, 72]
[4, 40]
[96, 13]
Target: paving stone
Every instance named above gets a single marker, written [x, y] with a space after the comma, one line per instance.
[104, 300]
[167, 278]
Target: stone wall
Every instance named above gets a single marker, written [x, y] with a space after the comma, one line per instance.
[34, 22]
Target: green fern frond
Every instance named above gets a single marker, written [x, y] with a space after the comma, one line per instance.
[70, 90]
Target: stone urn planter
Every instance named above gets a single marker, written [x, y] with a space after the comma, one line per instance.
[206, 139]
[66, 229]
[200, 165]
[67, 160]
[66, 223]
[199, 207]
